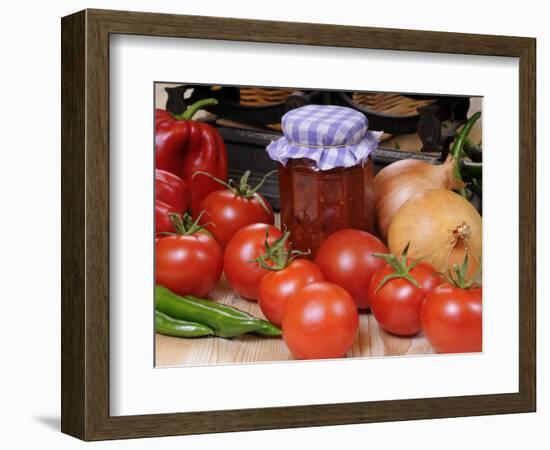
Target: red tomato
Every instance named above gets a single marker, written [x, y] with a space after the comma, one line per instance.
[320, 321]
[246, 245]
[278, 286]
[396, 305]
[163, 224]
[451, 319]
[189, 264]
[172, 190]
[226, 212]
[345, 258]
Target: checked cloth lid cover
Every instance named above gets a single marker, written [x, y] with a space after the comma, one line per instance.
[332, 136]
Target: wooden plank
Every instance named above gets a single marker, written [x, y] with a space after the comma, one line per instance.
[73, 227]
[371, 341]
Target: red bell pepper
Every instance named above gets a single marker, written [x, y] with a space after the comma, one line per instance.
[163, 224]
[172, 190]
[171, 196]
[184, 146]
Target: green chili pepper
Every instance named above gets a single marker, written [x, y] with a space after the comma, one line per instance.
[472, 169]
[224, 320]
[457, 152]
[472, 151]
[180, 328]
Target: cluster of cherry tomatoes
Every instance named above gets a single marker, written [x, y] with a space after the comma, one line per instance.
[316, 302]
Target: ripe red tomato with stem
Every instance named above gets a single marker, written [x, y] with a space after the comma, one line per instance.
[189, 261]
[321, 321]
[250, 254]
[229, 210]
[277, 286]
[346, 259]
[397, 290]
[452, 314]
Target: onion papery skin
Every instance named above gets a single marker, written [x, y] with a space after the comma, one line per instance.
[401, 180]
[441, 227]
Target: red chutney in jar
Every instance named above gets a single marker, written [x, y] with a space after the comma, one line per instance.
[316, 203]
[325, 173]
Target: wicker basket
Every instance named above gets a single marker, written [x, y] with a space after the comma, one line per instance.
[260, 96]
[394, 104]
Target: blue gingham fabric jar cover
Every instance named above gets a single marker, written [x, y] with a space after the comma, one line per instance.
[332, 136]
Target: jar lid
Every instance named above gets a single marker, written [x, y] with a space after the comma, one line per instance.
[332, 136]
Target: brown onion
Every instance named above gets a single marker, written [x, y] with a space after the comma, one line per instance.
[401, 180]
[441, 226]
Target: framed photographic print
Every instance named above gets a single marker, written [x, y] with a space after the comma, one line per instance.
[343, 214]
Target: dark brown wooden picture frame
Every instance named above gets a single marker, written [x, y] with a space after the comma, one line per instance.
[85, 224]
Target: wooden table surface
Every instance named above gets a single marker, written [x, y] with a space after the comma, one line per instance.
[371, 341]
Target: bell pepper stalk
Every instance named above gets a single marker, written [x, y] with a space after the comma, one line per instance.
[184, 146]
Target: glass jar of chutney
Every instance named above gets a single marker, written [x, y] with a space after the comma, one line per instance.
[325, 173]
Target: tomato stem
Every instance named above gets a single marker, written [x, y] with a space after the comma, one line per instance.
[216, 179]
[461, 279]
[262, 181]
[242, 188]
[400, 267]
[277, 253]
[185, 225]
